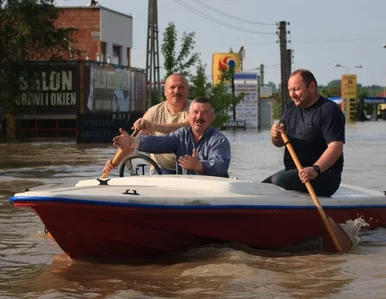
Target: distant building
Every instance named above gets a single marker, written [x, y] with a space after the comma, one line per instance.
[88, 98]
[105, 35]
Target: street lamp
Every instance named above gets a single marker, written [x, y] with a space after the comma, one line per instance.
[348, 68]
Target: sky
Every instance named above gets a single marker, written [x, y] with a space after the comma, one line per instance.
[322, 33]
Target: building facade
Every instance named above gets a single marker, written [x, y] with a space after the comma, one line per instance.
[105, 35]
[86, 98]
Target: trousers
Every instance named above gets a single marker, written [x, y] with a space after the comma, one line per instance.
[325, 184]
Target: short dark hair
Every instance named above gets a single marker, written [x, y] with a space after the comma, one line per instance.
[306, 75]
[203, 100]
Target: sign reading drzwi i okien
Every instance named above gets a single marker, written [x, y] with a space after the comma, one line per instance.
[57, 91]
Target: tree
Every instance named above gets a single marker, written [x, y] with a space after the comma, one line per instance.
[223, 98]
[185, 59]
[28, 33]
[199, 83]
[361, 95]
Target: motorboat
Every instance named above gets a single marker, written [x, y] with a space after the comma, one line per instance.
[145, 216]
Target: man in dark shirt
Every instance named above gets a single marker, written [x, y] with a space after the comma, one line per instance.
[315, 127]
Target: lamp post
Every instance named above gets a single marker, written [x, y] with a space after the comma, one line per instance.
[348, 68]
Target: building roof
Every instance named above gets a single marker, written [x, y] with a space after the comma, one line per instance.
[94, 7]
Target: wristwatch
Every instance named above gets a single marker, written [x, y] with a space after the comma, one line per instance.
[316, 168]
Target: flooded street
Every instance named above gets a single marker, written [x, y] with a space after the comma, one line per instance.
[32, 266]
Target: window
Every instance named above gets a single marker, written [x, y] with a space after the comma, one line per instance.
[103, 52]
[116, 55]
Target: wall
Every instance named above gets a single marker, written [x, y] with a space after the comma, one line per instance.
[116, 29]
[87, 21]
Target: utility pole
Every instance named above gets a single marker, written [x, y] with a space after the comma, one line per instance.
[152, 56]
[261, 74]
[289, 61]
[284, 65]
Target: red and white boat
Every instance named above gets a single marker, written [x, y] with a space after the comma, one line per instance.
[142, 216]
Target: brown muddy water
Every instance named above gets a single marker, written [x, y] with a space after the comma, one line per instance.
[32, 266]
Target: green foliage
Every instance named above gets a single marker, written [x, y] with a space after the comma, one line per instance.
[362, 93]
[199, 83]
[276, 106]
[273, 86]
[330, 90]
[223, 98]
[334, 83]
[27, 33]
[182, 61]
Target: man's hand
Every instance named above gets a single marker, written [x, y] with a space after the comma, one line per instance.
[191, 162]
[307, 174]
[124, 140]
[108, 166]
[143, 124]
[276, 130]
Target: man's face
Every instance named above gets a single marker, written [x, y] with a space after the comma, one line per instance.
[200, 117]
[300, 93]
[176, 89]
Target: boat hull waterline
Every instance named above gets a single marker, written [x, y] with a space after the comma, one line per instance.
[146, 216]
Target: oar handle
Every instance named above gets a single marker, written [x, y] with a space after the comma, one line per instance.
[119, 156]
[312, 193]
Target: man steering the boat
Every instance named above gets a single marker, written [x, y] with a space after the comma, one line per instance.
[163, 118]
[200, 148]
[315, 127]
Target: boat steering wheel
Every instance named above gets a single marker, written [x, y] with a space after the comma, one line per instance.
[129, 165]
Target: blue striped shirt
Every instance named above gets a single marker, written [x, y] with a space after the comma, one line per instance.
[213, 149]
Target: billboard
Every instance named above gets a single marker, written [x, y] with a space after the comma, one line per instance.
[114, 89]
[55, 90]
[348, 88]
[222, 62]
[247, 109]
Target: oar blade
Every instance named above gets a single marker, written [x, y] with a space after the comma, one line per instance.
[342, 237]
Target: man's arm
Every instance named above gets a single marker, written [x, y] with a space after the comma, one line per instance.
[167, 128]
[332, 153]
[145, 124]
[325, 161]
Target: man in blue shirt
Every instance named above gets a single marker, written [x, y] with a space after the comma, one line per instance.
[200, 148]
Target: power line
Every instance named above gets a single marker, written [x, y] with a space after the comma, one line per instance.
[217, 21]
[231, 16]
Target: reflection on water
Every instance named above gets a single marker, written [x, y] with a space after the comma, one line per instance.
[207, 272]
[32, 266]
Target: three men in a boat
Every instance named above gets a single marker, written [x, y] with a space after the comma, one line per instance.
[316, 129]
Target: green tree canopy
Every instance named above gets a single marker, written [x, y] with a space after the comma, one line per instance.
[28, 32]
[185, 59]
[199, 83]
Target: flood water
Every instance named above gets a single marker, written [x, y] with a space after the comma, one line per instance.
[32, 266]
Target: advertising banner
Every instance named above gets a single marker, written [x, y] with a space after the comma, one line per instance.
[56, 90]
[116, 90]
[247, 109]
[222, 62]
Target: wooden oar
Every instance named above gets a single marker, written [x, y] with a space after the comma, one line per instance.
[339, 238]
[119, 156]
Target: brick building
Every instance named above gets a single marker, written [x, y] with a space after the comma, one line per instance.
[87, 98]
[105, 35]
